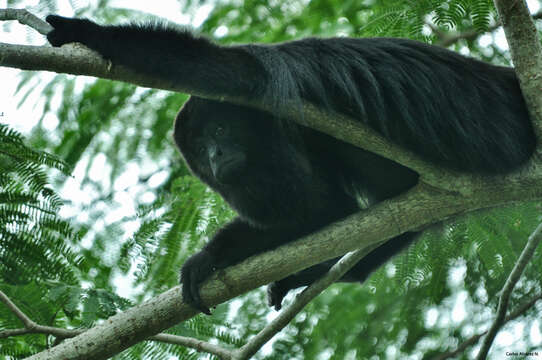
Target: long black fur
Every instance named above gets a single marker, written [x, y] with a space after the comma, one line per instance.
[455, 111]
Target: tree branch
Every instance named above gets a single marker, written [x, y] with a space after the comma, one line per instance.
[526, 52]
[26, 18]
[30, 327]
[523, 260]
[78, 60]
[474, 339]
[246, 351]
[418, 208]
[284, 318]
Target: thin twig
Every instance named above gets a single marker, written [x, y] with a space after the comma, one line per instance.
[195, 344]
[526, 254]
[30, 327]
[284, 318]
[28, 323]
[474, 339]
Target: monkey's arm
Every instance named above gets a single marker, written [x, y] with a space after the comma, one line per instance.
[171, 54]
[232, 244]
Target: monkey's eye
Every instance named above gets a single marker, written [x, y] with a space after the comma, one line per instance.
[219, 131]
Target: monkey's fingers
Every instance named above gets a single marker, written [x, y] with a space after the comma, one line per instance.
[191, 296]
[196, 298]
[275, 296]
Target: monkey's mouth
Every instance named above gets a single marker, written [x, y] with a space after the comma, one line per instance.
[229, 170]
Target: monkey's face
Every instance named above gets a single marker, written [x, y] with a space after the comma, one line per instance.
[224, 144]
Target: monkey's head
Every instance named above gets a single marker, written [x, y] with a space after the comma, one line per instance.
[225, 144]
[243, 154]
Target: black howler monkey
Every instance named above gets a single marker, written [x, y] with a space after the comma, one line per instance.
[288, 181]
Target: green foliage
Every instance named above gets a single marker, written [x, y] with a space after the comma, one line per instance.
[39, 268]
[403, 18]
[29, 227]
[276, 21]
[121, 242]
[170, 230]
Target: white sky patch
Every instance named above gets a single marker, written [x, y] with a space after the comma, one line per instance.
[505, 338]
[128, 178]
[168, 9]
[127, 208]
[21, 119]
[485, 40]
[457, 274]
[500, 39]
[221, 31]
[458, 312]
[157, 179]
[534, 332]
[96, 171]
[431, 317]
[534, 5]
[201, 14]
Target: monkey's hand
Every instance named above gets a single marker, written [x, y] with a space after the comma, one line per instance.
[194, 271]
[275, 294]
[68, 30]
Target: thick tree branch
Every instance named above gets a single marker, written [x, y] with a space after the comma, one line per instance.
[526, 52]
[30, 327]
[418, 208]
[246, 351]
[78, 60]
